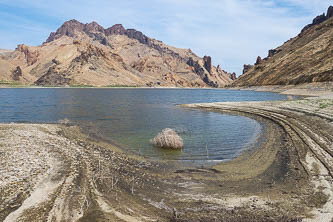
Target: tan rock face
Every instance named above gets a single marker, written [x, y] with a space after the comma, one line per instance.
[304, 59]
[88, 54]
[30, 56]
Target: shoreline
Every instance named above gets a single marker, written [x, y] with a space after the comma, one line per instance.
[101, 87]
[289, 177]
[307, 124]
[316, 89]
[89, 179]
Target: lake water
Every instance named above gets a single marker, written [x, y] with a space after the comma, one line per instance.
[131, 117]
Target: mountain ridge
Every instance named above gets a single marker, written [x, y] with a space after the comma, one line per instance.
[88, 54]
[305, 58]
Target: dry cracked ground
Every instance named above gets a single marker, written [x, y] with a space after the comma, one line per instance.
[54, 172]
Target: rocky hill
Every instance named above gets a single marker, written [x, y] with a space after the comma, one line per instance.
[305, 58]
[88, 54]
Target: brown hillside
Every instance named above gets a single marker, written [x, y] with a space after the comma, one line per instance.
[88, 54]
[303, 59]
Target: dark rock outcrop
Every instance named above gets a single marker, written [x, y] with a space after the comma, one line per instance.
[72, 27]
[17, 73]
[246, 68]
[55, 61]
[53, 78]
[208, 63]
[198, 69]
[105, 42]
[93, 27]
[329, 12]
[319, 19]
[258, 61]
[191, 62]
[271, 52]
[233, 76]
[51, 37]
[68, 28]
[218, 69]
[90, 53]
[134, 34]
[117, 29]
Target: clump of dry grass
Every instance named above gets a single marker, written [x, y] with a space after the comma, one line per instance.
[168, 139]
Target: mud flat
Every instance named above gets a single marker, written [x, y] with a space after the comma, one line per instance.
[54, 172]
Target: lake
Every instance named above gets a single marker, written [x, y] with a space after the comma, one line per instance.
[131, 117]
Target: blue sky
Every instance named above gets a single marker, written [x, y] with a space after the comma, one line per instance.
[233, 32]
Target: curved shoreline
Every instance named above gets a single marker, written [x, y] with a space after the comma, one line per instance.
[81, 179]
[308, 124]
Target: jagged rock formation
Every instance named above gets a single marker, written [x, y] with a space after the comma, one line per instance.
[329, 13]
[30, 56]
[17, 73]
[272, 52]
[233, 76]
[208, 63]
[305, 58]
[258, 61]
[218, 68]
[320, 19]
[53, 78]
[246, 68]
[88, 54]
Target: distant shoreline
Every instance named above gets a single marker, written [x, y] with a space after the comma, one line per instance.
[316, 89]
[99, 87]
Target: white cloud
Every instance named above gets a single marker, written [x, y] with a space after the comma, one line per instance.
[233, 32]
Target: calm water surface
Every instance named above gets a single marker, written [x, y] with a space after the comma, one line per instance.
[131, 117]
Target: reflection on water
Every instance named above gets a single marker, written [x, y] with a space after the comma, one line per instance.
[131, 117]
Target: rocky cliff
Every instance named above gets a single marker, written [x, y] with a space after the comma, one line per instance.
[305, 58]
[88, 54]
